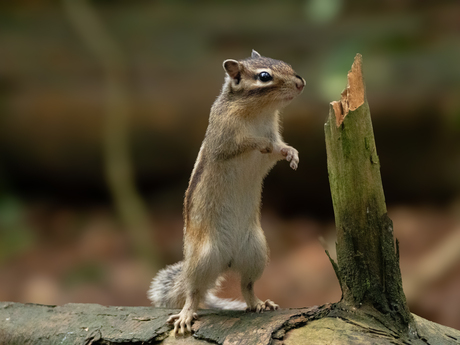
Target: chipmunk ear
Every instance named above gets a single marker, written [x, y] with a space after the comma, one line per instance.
[233, 69]
[255, 54]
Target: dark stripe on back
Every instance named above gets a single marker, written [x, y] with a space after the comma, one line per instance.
[194, 180]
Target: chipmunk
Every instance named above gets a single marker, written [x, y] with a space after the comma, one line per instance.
[222, 203]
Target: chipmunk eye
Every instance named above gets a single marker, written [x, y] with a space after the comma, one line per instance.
[265, 76]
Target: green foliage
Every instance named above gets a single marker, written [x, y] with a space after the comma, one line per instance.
[15, 234]
[90, 272]
[323, 11]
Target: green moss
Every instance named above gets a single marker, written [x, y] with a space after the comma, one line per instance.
[367, 263]
[375, 158]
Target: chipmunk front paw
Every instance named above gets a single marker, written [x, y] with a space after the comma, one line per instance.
[291, 155]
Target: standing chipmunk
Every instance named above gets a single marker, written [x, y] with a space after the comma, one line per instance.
[222, 203]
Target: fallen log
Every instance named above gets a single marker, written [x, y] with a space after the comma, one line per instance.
[74, 324]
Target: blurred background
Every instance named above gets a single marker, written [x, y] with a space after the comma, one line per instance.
[103, 106]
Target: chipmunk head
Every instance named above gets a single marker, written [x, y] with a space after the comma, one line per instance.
[262, 80]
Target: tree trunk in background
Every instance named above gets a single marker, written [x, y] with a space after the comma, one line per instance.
[367, 259]
[118, 164]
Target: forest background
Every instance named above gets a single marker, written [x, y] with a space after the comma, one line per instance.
[62, 237]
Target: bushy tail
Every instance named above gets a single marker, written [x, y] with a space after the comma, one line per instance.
[214, 302]
[167, 290]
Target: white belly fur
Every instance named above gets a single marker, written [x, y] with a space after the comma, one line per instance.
[231, 211]
[227, 198]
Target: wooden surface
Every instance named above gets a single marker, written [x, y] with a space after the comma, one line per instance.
[96, 324]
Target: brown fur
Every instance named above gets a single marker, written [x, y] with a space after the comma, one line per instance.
[194, 180]
[222, 203]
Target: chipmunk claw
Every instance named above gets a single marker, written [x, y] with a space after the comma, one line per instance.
[260, 307]
[182, 322]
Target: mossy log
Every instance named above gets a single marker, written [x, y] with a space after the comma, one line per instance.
[73, 324]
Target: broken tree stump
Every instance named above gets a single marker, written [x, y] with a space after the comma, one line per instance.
[367, 256]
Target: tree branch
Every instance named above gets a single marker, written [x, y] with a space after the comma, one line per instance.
[118, 163]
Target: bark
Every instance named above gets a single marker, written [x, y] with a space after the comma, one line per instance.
[367, 257]
[95, 324]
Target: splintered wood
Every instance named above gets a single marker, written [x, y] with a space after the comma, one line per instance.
[353, 95]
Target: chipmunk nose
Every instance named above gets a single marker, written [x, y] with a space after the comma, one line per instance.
[300, 82]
